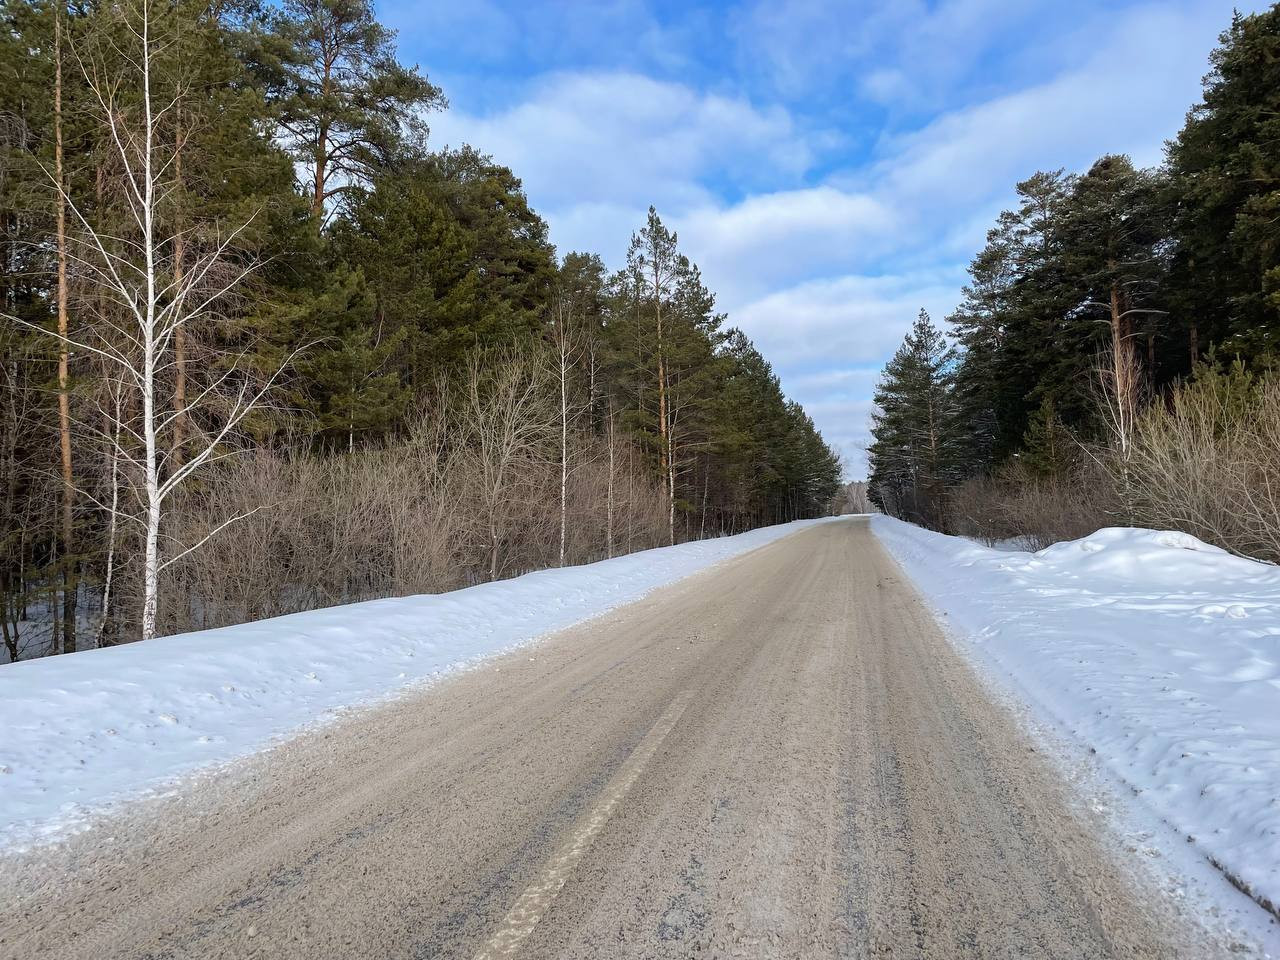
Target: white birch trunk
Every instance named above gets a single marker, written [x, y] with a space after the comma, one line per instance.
[151, 555]
[111, 528]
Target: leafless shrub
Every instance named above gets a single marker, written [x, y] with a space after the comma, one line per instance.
[1207, 462]
[1204, 459]
[472, 492]
[1036, 511]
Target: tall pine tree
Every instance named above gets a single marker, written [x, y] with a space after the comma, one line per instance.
[913, 453]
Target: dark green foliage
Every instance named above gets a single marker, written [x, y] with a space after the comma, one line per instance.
[914, 451]
[773, 462]
[1225, 172]
[344, 103]
[1039, 313]
[348, 375]
[1048, 449]
[453, 255]
[1013, 308]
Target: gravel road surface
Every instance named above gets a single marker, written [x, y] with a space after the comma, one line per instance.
[779, 757]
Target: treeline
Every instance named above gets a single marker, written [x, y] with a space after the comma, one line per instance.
[1112, 358]
[264, 348]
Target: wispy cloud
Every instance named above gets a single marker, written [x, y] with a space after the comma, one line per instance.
[834, 166]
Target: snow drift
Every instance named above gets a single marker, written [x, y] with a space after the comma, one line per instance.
[1160, 652]
[89, 729]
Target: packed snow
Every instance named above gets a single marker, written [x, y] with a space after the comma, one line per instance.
[85, 731]
[1158, 651]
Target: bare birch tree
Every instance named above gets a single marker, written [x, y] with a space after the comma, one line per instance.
[135, 276]
[568, 349]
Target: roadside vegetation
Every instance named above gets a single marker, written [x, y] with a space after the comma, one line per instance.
[1113, 359]
[265, 346]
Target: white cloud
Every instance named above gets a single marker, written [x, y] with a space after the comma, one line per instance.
[777, 238]
[844, 322]
[827, 339]
[1128, 97]
[594, 149]
[827, 272]
[622, 137]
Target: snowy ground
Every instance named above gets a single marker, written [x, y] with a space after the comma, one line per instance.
[87, 730]
[1157, 651]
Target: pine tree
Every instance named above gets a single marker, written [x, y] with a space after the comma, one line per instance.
[350, 384]
[1010, 322]
[452, 255]
[663, 337]
[1225, 172]
[914, 449]
[1048, 449]
[344, 103]
[1111, 255]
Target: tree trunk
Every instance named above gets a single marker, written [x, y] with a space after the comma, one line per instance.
[179, 335]
[671, 488]
[322, 149]
[702, 527]
[64, 399]
[151, 545]
[564, 439]
[114, 473]
[608, 525]
[664, 428]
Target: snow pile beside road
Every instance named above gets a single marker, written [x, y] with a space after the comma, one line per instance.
[82, 731]
[1157, 650]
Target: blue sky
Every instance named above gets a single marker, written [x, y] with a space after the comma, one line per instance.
[831, 166]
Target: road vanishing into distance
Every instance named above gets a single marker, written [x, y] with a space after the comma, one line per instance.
[779, 757]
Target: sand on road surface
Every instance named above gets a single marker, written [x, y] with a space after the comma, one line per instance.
[779, 757]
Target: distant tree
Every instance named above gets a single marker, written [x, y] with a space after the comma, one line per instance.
[1048, 449]
[913, 453]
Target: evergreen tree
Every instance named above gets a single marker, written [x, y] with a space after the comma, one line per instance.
[453, 255]
[913, 453]
[1009, 322]
[1225, 187]
[344, 104]
[1048, 449]
[663, 335]
[582, 282]
[350, 383]
[1111, 254]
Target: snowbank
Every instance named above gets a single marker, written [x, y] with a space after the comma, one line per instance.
[83, 731]
[1159, 651]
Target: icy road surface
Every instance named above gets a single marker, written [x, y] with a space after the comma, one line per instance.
[781, 756]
